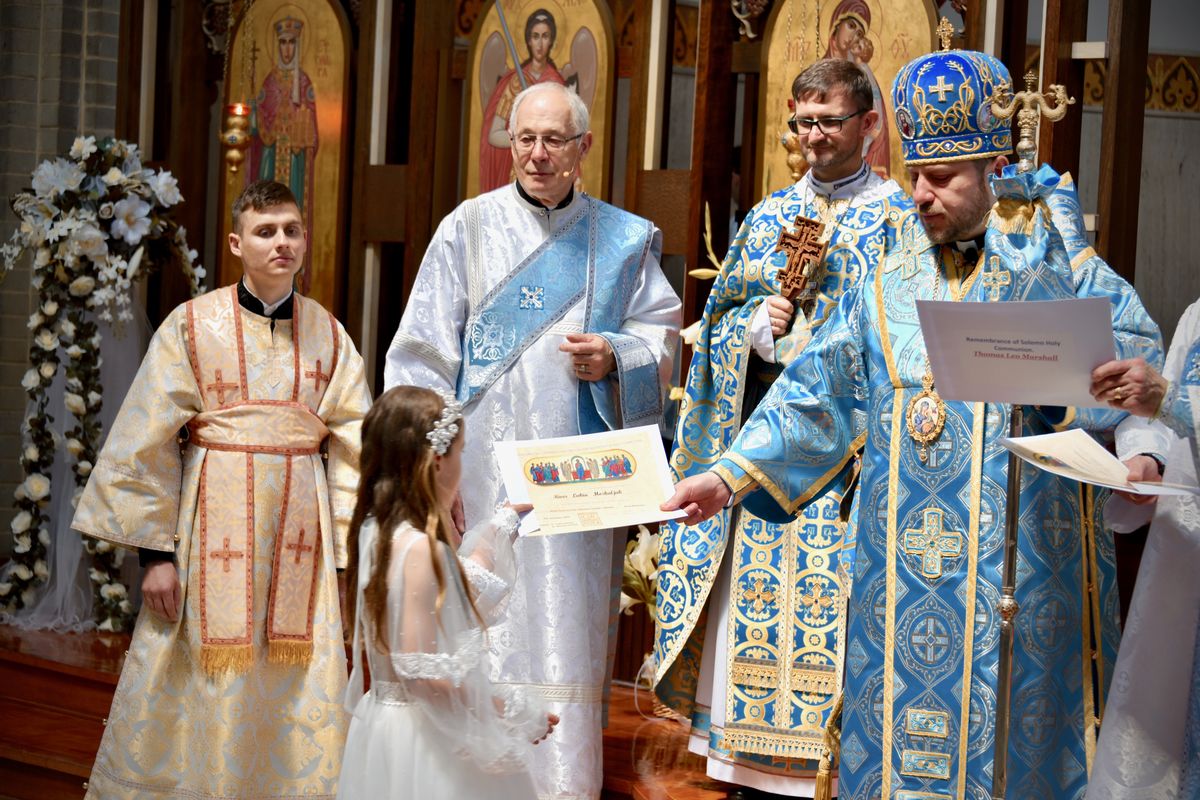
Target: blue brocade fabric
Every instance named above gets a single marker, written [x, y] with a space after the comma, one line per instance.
[921, 653]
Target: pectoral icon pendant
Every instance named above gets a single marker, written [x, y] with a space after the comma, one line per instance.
[925, 416]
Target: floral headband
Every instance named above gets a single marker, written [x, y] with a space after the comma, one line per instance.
[446, 426]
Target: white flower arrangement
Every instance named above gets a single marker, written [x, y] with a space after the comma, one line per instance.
[639, 577]
[95, 222]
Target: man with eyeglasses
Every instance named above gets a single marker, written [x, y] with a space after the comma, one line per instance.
[919, 715]
[759, 678]
[546, 312]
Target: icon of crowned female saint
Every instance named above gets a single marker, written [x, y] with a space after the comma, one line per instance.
[541, 35]
[283, 128]
[848, 29]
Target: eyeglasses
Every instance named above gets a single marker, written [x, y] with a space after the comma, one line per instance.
[827, 125]
[553, 144]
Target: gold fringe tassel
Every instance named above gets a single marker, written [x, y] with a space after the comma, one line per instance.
[1011, 215]
[833, 746]
[287, 651]
[216, 659]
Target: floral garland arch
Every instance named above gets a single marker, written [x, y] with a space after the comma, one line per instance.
[96, 222]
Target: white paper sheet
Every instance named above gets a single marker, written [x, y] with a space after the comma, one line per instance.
[1074, 454]
[591, 482]
[1038, 352]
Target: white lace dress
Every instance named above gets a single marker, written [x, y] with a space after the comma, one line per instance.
[433, 725]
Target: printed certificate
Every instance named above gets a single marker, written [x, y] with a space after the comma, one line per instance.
[1075, 454]
[1030, 352]
[590, 482]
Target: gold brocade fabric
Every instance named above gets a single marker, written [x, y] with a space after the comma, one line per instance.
[277, 730]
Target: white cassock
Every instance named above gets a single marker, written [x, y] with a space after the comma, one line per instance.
[1141, 753]
[555, 637]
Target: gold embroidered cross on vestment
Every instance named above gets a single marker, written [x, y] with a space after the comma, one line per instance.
[932, 542]
[759, 595]
[995, 278]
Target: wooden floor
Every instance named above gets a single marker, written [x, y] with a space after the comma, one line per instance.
[56, 689]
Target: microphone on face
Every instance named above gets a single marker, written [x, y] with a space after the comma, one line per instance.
[571, 171]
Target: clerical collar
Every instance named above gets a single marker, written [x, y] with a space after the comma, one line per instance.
[533, 201]
[842, 187]
[970, 249]
[278, 310]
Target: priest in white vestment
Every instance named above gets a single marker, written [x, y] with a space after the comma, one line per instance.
[546, 311]
[1147, 745]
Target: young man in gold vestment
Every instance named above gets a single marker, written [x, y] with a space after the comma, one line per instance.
[232, 685]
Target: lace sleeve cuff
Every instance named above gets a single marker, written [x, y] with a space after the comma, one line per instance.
[452, 667]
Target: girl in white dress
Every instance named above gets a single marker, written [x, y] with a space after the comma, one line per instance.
[432, 725]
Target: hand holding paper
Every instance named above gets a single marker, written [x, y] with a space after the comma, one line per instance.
[1075, 454]
[592, 482]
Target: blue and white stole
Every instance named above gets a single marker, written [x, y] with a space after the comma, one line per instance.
[539, 291]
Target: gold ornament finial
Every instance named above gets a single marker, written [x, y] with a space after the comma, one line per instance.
[1029, 107]
[945, 32]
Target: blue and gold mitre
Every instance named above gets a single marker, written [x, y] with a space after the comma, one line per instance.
[944, 110]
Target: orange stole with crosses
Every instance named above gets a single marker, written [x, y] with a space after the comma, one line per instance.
[233, 428]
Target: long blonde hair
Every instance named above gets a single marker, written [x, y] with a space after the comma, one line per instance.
[398, 484]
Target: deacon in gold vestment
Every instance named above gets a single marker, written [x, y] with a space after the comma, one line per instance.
[232, 685]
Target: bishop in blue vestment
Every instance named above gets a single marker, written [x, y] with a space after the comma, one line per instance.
[921, 657]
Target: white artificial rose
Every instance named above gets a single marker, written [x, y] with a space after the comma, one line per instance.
[28, 596]
[93, 399]
[32, 453]
[74, 404]
[36, 486]
[91, 242]
[30, 380]
[125, 606]
[74, 446]
[97, 576]
[40, 569]
[42, 257]
[166, 188]
[21, 522]
[107, 625]
[36, 320]
[66, 330]
[50, 308]
[5, 588]
[22, 543]
[22, 572]
[112, 591]
[113, 176]
[74, 352]
[84, 468]
[44, 537]
[82, 286]
[46, 340]
[48, 369]
[83, 146]
[106, 211]
[103, 546]
[19, 493]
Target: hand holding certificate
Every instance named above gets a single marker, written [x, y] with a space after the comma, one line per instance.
[1075, 454]
[590, 482]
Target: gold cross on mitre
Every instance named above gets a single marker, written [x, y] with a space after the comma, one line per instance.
[805, 251]
[1030, 106]
[945, 32]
